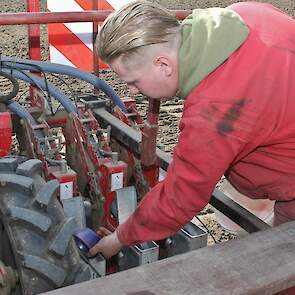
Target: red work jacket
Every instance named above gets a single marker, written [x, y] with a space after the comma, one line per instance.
[239, 121]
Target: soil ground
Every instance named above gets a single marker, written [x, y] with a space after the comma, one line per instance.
[14, 43]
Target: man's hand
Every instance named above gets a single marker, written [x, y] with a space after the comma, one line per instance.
[108, 246]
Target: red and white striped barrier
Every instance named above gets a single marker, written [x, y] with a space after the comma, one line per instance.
[71, 43]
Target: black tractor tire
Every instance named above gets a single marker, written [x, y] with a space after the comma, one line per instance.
[35, 235]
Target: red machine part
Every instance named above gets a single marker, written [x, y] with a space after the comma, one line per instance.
[67, 179]
[113, 177]
[145, 169]
[5, 134]
[149, 143]
[102, 172]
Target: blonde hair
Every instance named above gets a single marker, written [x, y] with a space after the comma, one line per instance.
[135, 25]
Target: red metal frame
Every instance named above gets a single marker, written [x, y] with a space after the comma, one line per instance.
[95, 31]
[22, 18]
[107, 169]
[34, 32]
[5, 134]
[34, 42]
[146, 169]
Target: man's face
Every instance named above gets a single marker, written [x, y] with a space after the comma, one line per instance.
[156, 78]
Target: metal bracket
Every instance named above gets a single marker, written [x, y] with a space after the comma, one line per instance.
[140, 254]
[126, 199]
[190, 237]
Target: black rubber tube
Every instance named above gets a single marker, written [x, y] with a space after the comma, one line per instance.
[55, 92]
[21, 112]
[10, 62]
[15, 89]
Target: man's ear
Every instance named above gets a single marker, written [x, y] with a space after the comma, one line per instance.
[165, 64]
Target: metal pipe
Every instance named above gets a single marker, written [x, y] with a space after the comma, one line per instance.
[34, 37]
[34, 32]
[22, 18]
[95, 28]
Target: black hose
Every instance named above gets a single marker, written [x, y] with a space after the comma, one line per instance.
[21, 112]
[20, 64]
[15, 89]
[14, 106]
[35, 80]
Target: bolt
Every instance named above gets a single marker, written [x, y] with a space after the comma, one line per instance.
[120, 255]
[2, 183]
[168, 242]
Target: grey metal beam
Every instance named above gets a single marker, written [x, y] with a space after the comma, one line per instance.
[237, 213]
[259, 263]
[119, 130]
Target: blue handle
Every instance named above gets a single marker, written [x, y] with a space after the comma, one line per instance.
[85, 239]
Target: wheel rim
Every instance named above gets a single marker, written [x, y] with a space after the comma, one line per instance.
[6, 254]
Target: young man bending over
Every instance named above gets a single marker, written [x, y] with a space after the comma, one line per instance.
[235, 68]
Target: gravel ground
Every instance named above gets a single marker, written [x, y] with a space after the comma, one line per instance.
[14, 43]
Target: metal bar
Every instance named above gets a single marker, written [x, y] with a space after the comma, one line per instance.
[22, 18]
[119, 130]
[223, 203]
[34, 42]
[149, 138]
[94, 35]
[260, 263]
[34, 32]
[237, 213]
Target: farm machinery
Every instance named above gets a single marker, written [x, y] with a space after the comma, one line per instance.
[74, 154]
[86, 164]
[70, 172]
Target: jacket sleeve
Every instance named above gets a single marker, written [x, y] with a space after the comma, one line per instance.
[205, 149]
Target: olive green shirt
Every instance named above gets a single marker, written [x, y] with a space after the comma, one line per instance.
[209, 37]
